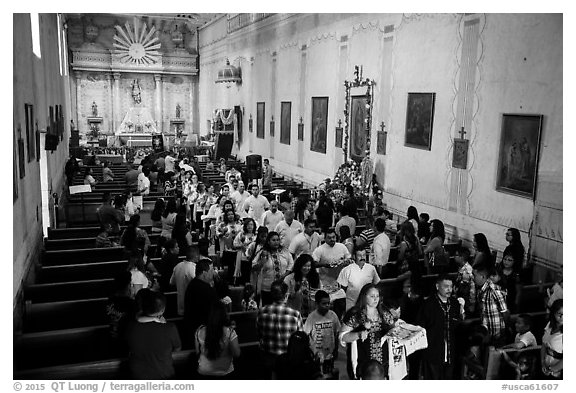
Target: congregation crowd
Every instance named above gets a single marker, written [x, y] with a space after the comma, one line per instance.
[313, 267]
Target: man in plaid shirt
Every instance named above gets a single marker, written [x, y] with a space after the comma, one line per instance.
[492, 303]
[275, 324]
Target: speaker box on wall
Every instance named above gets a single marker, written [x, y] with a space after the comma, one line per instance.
[254, 166]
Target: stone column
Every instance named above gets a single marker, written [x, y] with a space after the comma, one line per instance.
[77, 76]
[116, 95]
[110, 115]
[158, 99]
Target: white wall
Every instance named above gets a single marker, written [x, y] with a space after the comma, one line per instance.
[516, 68]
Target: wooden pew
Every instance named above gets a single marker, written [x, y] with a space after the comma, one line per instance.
[74, 233]
[86, 255]
[92, 343]
[82, 242]
[248, 366]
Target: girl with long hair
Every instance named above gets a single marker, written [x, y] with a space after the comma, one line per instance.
[217, 344]
[413, 218]
[435, 258]
[551, 355]
[483, 252]
[515, 248]
[300, 282]
[409, 253]
[181, 233]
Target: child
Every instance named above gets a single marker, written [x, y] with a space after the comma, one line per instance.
[248, 302]
[465, 287]
[523, 367]
[524, 337]
[322, 325]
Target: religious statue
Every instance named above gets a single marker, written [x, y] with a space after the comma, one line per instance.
[178, 110]
[136, 91]
[94, 109]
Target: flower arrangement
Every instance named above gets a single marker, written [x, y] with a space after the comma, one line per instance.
[349, 173]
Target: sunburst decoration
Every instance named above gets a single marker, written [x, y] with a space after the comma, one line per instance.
[136, 44]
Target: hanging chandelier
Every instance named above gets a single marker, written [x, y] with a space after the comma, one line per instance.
[229, 74]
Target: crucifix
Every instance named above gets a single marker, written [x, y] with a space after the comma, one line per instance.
[339, 123]
[462, 132]
[382, 126]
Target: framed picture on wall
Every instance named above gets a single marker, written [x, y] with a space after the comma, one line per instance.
[319, 124]
[419, 120]
[339, 133]
[460, 154]
[285, 122]
[381, 142]
[260, 112]
[37, 143]
[21, 155]
[518, 156]
[30, 137]
[358, 115]
[14, 173]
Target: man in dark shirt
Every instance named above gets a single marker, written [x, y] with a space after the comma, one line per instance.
[169, 261]
[439, 315]
[198, 300]
[132, 176]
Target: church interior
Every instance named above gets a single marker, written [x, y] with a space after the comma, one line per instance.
[456, 116]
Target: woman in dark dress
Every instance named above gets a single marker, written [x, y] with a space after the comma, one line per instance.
[515, 248]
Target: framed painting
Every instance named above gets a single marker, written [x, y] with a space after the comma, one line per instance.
[381, 142]
[519, 152]
[460, 154]
[30, 137]
[260, 112]
[21, 158]
[419, 120]
[37, 143]
[285, 122]
[358, 115]
[14, 173]
[319, 124]
[339, 133]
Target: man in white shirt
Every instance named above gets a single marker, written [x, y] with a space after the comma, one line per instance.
[169, 162]
[239, 197]
[256, 204]
[288, 228]
[271, 218]
[345, 219]
[331, 257]
[183, 273]
[354, 276]
[305, 242]
[380, 250]
[144, 182]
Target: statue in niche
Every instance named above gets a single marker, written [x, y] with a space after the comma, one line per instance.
[136, 91]
[94, 109]
[178, 110]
